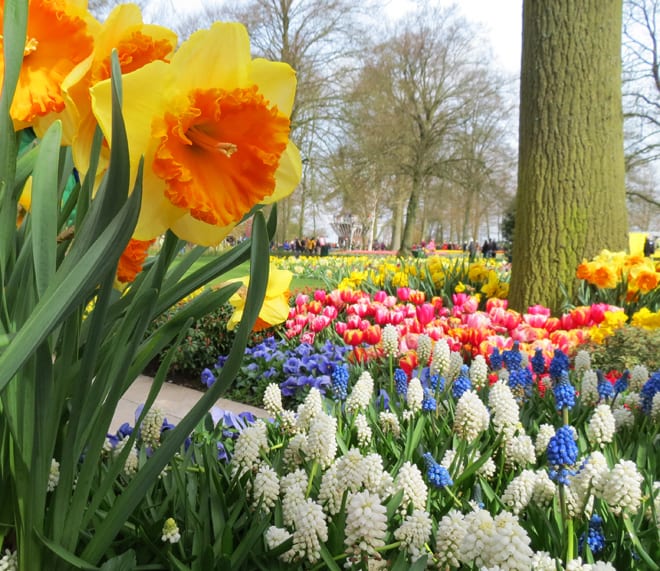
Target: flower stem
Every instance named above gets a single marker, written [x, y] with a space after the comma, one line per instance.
[312, 474]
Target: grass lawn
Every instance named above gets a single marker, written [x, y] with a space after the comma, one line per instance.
[244, 269]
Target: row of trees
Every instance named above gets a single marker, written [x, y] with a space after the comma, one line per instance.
[412, 129]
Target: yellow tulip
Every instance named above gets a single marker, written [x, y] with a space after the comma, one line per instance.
[213, 126]
[275, 308]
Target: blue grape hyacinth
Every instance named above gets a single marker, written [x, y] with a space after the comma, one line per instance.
[437, 475]
[562, 452]
[564, 393]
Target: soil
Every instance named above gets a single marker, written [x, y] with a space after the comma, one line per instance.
[176, 377]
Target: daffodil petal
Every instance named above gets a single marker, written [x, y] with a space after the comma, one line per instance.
[157, 214]
[287, 175]
[276, 81]
[193, 230]
[219, 56]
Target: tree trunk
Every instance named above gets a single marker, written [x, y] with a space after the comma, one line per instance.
[411, 215]
[571, 193]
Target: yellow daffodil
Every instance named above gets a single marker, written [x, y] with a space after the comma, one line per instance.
[59, 36]
[646, 319]
[213, 126]
[136, 43]
[275, 308]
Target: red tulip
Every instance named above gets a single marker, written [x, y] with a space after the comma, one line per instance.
[353, 337]
[372, 335]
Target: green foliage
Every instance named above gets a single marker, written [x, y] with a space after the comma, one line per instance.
[626, 347]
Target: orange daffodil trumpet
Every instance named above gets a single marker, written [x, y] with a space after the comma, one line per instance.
[59, 36]
[213, 126]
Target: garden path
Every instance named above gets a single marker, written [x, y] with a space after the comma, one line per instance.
[174, 400]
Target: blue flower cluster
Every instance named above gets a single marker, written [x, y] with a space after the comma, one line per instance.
[562, 452]
[294, 368]
[429, 404]
[538, 362]
[437, 475]
[462, 383]
[513, 357]
[594, 538]
[521, 381]
[621, 383]
[340, 382]
[496, 360]
[401, 382]
[564, 393]
[559, 364]
[605, 388]
[649, 390]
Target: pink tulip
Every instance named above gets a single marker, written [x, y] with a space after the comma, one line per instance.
[320, 295]
[425, 313]
[301, 299]
[403, 293]
[380, 296]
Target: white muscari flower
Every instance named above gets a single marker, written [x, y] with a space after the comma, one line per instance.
[589, 388]
[292, 487]
[623, 418]
[578, 565]
[288, 422]
[503, 376]
[389, 422]
[366, 525]
[541, 561]
[276, 536]
[321, 443]
[601, 427]
[53, 475]
[361, 394]
[311, 407]
[471, 417]
[424, 347]
[363, 429]
[375, 479]
[588, 480]
[448, 539]
[638, 377]
[407, 415]
[266, 489]
[9, 561]
[544, 489]
[478, 372]
[479, 528]
[488, 469]
[546, 432]
[518, 448]
[455, 364]
[132, 461]
[331, 492]
[250, 443]
[582, 361]
[414, 533]
[622, 487]
[519, 492]
[350, 470]
[503, 406]
[655, 407]
[448, 458]
[310, 529]
[151, 426]
[633, 400]
[390, 340]
[170, 533]
[415, 395]
[293, 454]
[440, 357]
[273, 399]
[410, 480]
[509, 545]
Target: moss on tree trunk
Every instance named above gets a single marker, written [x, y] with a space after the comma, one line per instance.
[571, 193]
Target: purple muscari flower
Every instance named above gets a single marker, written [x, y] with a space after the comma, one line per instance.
[401, 382]
[621, 383]
[538, 362]
[605, 388]
[222, 452]
[512, 358]
[437, 475]
[383, 400]
[594, 538]
[462, 383]
[124, 431]
[208, 378]
[562, 451]
[564, 393]
[559, 364]
[340, 382]
[649, 390]
[429, 403]
[496, 359]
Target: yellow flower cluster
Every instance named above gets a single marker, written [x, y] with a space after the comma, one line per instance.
[612, 321]
[610, 270]
[211, 123]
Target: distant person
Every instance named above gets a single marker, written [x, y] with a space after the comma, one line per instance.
[649, 247]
